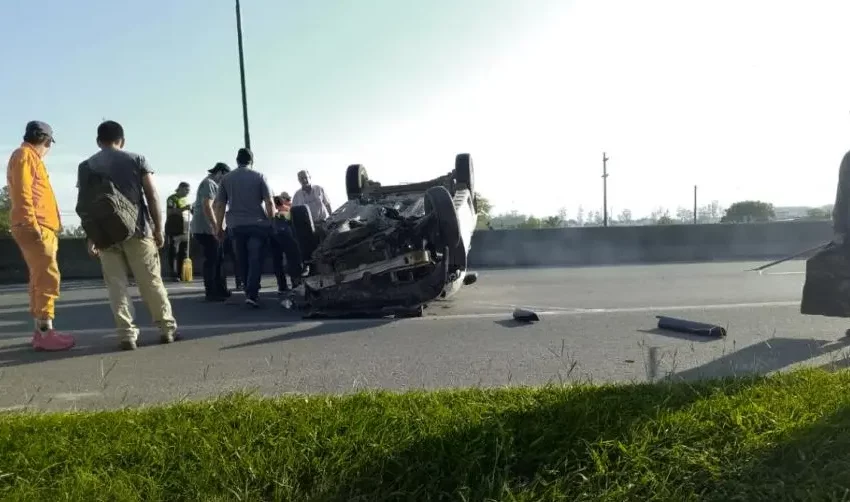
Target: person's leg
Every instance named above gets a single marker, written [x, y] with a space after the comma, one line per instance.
[113, 264]
[209, 247]
[40, 257]
[230, 252]
[241, 235]
[219, 277]
[171, 255]
[293, 256]
[276, 250]
[182, 249]
[143, 259]
[255, 240]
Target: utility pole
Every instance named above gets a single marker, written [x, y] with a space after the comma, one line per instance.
[605, 160]
[242, 76]
[695, 204]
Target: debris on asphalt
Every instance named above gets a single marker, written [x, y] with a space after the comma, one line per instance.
[525, 315]
[690, 327]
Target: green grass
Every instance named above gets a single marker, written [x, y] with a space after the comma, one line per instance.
[780, 438]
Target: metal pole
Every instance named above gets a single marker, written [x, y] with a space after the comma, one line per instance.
[605, 160]
[242, 76]
[695, 204]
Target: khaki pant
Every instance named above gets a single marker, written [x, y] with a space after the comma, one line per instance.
[40, 257]
[140, 256]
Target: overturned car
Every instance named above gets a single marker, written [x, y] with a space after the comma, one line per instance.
[390, 248]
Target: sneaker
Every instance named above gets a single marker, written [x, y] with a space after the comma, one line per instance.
[169, 337]
[252, 302]
[52, 340]
[128, 345]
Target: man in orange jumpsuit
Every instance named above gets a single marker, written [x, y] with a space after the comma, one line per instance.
[35, 225]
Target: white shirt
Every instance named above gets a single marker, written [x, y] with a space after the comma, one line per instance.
[316, 200]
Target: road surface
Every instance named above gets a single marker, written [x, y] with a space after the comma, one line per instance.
[597, 324]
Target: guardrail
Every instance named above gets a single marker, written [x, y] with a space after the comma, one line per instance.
[548, 247]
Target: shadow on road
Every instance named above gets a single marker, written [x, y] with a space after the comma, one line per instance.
[681, 336]
[197, 319]
[764, 357]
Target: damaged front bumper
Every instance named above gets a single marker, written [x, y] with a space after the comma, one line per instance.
[377, 286]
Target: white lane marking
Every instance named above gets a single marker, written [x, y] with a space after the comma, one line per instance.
[308, 323]
[75, 396]
[801, 272]
[525, 306]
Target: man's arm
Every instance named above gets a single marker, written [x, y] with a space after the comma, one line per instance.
[207, 197]
[219, 207]
[326, 201]
[21, 172]
[267, 199]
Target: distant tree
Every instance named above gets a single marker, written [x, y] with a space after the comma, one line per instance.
[665, 219]
[658, 215]
[482, 208]
[72, 232]
[685, 215]
[580, 216]
[531, 222]
[710, 213]
[5, 209]
[553, 222]
[818, 213]
[625, 217]
[749, 211]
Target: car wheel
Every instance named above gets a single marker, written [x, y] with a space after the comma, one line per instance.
[305, 231]
[438, 201]
[355, 179]
[464, 173]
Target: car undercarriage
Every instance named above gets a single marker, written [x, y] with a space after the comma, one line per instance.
[389, 248]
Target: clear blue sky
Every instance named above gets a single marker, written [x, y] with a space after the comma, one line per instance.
[534, 90]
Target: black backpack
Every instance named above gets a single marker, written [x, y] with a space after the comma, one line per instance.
[107, 216]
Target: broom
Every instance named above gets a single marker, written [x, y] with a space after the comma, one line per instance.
[186, 271]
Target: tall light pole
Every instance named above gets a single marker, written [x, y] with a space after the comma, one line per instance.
[605, 160]
[242, 76]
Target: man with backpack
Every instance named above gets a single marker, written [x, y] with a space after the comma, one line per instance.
[120, 211]
[35, 223]
[178, 209]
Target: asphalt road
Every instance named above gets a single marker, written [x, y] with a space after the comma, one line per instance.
[597, 324]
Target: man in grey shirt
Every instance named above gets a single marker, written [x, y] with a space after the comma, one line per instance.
[243, 193]
[204, 228]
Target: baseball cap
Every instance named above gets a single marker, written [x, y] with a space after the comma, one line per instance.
[39, 128]
[219, 167]
[285, 196]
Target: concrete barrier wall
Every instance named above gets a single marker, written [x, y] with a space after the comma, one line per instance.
[547, 247]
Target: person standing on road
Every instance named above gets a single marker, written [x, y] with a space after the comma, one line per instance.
[35, 222]
[178, 211]
[312, 196]
[204, 228]
[133, 177]
[283, 244]
[242, 193]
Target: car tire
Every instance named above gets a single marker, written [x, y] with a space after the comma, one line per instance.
[305, 231]
[355, 179]
[464, 172]
[438, 201]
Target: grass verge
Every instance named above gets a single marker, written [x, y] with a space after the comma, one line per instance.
[779, 438]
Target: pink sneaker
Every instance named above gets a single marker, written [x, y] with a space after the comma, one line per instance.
[52, 340]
